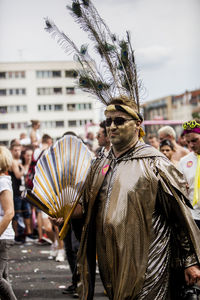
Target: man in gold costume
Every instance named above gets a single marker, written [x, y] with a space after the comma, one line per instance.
[136, 217]
[135, 206]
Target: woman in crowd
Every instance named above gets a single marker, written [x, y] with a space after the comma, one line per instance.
[6, 215]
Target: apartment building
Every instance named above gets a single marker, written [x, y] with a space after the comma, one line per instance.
[157, 110]
[172, 110]
[44, 91]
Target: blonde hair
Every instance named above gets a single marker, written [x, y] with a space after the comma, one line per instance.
[168, 131]
[5, 159]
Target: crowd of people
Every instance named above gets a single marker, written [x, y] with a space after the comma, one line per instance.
[30, 224]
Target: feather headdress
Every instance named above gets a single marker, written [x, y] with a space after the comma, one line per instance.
[117, 74]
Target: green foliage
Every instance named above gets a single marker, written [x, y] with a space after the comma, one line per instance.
[196, 115]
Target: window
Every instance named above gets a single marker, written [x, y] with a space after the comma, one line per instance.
[18, 125]
[43, 74]
[13, 108]
[3, 109]
[56, 73]
[72, 123]
[49, 91]
[79, 106]
[16, 92]
[12, 74]
[43, 91]
[70, 90]
[71, 107]
[2, 92]
[71, 73]
[3, 125]
[58, 107]
[59, 123]
[2, 75]
[50, 107]
[48, 74]
[57, 90]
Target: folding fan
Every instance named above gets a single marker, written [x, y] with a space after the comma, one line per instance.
[59, 178]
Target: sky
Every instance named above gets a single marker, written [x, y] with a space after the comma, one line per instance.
[165, 37]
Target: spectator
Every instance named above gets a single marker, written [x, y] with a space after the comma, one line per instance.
[6, 230]
[34, 134]
[167, 148]
[168, 133]
[47, 142]
[103, 139]
[24, 140]
[182, 140]
[90, 140]
[21, 206]
[153, 140]
[189, 165]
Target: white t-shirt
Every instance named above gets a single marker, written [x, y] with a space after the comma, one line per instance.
[187, 165]
[6, 184]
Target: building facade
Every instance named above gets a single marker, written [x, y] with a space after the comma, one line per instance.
[44, 91]
[172, 110]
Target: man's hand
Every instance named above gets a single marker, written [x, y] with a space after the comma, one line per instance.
[78, 212]
[56, 221]
[192, 275]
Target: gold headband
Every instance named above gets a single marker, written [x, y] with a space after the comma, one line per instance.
[130, 111]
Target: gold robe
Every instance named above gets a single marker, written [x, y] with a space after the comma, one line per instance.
[126, 200]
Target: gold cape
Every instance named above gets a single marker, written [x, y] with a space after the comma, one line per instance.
[143, 177]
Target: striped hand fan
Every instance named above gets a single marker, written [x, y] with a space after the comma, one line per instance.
[59, 178]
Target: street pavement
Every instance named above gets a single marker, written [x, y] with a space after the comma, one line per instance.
[34, 276]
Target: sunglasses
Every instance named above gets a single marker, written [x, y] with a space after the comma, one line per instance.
[191, 124]
[117, 121]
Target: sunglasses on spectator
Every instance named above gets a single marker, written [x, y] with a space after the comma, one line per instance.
[191, 124]
[117, 121]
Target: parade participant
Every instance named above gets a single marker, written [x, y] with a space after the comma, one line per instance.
[134, 203]
[136, 213]
[6, 230]
[189, 165]
[168, 133]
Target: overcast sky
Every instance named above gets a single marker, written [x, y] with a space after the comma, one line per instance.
[165, 36]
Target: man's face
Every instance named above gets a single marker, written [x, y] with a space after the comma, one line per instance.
[16, 152]
[167, 151]
[193, 140]
[163, 136]
[123, 134]
[154, 142]
[101, 138]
